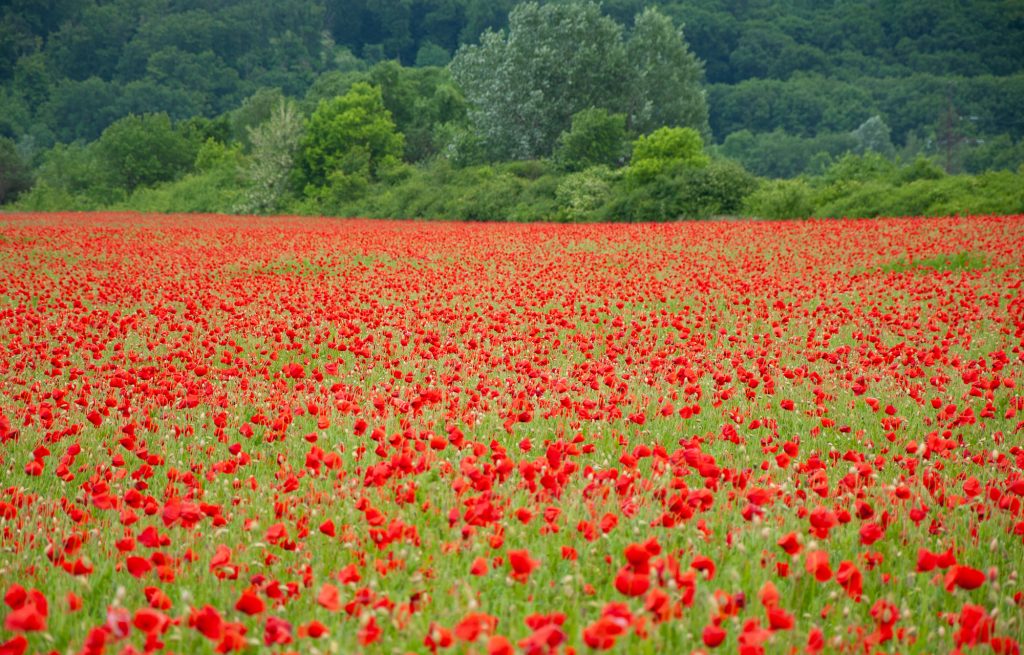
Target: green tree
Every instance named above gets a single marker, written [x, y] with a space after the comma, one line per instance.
[873, 136]
[81, 110]
[203, 74]
[33, 79]
[523, 86]
[15, 173]
[349, 142]
[275, 144]
[431, 54]
[147, 96]
[15, 116]
[664, 150]
[92, 45]
[143, 151]
[254, 111]
[418, 99]
[666, 77]
[596, 138]
[779, 154]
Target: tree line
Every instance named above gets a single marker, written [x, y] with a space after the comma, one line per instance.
[354, 105]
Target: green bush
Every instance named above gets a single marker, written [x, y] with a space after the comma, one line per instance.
[516, 191]
[715, 189]
[921, 168]
[665, 151]
[214, 187]
[580, 195]
[348, 141]
[776, 199]
[70, 178]
[997, 192]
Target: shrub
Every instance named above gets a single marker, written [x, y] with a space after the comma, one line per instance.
[663, 151]
[580, 195]
[775, 199]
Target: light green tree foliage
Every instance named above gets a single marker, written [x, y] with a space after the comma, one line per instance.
[596, 138]
[143, 151]
[873, 136]
[580, 195]
[350, 141]
[666, 77]
[523, 86]
[665, 150]
[275, 144]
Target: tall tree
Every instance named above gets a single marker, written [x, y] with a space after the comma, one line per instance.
[275, 144]
[666, 80]
[524, 85]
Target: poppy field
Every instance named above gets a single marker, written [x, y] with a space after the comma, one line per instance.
[223, 434]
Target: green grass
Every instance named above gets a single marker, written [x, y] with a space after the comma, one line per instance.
[960, 261]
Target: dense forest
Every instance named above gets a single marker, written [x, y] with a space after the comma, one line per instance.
[518, 109]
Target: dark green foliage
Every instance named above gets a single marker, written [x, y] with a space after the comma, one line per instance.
[995, 153]
[15, 172]
[81, 67]
[595, 138]
[715, 189]
[82, 109]
[806, 68]
[520, 191]
[143, 151]
[781, 155]
[418, 99]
